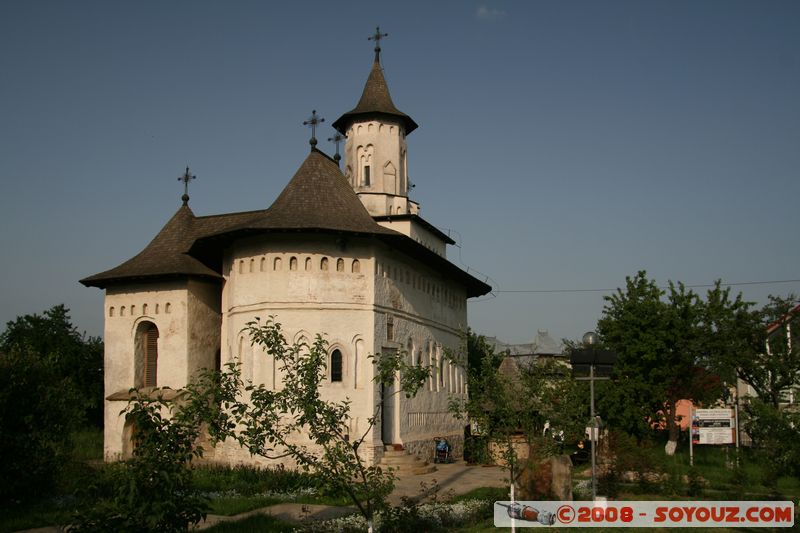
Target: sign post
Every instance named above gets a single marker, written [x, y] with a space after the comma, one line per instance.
[712, 426]
[599, 363]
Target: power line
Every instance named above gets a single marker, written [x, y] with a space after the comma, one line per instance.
[699, 286]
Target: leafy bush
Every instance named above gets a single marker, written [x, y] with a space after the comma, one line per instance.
[153, 491]
[37, 414]
[251, 480]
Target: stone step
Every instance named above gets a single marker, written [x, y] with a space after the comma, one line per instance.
[397, 453]
[407, 460]
[401, 461]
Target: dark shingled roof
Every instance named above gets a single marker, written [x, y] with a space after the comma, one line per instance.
[317, 199]
[165, 256]
[375, 102]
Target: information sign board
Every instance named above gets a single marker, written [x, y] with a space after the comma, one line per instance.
[713, 426]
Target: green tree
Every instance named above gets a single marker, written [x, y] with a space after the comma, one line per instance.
[661, 345]
[772, 365]
[272, 419]
[52, 337]
[509, 404]
[37, 416]
[266, 422]
[154, 490]
[50, 378]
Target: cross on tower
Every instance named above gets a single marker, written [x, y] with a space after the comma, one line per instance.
[186, 178]
[313, 121]
[377, 38]
[336, 139]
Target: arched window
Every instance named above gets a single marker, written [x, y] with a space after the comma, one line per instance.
[110, 311]
[276, 264]
[122, 311]
[340, 265]
[323, 264]
[441, 367]
[144, 309]
[336, 366]
[356, 267]
[146, 355]
[308, 263]
[263, 262]
[293, 263]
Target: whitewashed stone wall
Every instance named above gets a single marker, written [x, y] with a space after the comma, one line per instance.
[382, 147]
[186, 314]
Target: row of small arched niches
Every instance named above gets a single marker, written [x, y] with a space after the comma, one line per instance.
[131, 310]
[308, 265]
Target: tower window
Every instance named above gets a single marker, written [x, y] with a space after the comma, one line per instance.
[366, 181]
[336, 366]
[146, 350]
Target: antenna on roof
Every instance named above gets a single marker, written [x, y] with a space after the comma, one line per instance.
[377, 38]
[186, 178]
[336, 139]
[313, 121]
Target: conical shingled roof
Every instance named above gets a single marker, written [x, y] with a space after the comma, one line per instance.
[375, 101]
[318, 197]
[166, 255]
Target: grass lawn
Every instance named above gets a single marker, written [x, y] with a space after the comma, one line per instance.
[241, 489]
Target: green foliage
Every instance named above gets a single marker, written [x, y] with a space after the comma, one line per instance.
[251, 480]
[772, 372]
[670, 345]
[73, 356]
[37, 415]
[696, 485]
[50, 377]
[511, 402]
[267, 422]
[153, 491]
[777, 433]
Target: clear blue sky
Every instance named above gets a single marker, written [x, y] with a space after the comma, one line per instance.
[568, 143]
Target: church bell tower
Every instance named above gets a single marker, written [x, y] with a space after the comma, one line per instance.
[375, 149]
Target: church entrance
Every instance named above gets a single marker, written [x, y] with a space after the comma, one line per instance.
[389, 413]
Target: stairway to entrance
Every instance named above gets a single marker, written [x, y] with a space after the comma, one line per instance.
[403, 462]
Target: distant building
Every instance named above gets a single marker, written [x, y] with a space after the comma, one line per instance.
[345, 254]
[543, 346]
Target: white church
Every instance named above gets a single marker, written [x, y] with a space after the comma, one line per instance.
[344, 254]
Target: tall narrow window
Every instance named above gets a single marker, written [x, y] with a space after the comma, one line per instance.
[336, 366]
[340, 265]
[389, 328]
[323, 264]
[366, 181]
[293, 263]
[149, 354]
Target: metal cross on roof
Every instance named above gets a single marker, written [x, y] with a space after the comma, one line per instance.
[313, 121]
[377, 38]
[186, 178]
[336, 139]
